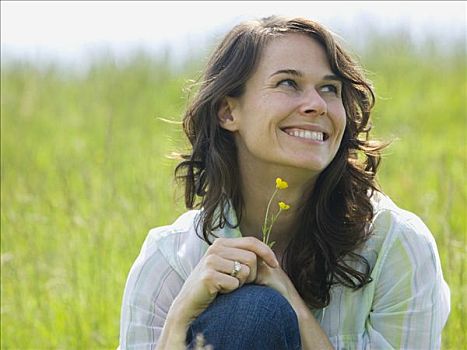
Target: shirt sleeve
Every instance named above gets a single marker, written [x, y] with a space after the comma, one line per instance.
[151, 287]
[411, 301]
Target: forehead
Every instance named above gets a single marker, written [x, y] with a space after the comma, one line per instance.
[294, 51]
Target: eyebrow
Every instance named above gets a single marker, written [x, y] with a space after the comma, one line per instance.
[298, 73]
[332, 77]
[287, 71]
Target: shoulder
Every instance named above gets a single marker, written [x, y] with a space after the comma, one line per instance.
[178, 243]
[391, 222]
[392, 226]
[182, 226]
[398, 232]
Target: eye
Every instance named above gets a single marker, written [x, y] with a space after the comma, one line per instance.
[288, 83]
[330, 88]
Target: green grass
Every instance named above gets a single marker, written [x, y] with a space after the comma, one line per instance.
[84, 176]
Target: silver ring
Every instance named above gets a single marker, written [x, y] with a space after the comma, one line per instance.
[236, 269]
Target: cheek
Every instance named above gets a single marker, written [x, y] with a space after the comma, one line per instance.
[282, 102]
[343, 123]
[339, 119]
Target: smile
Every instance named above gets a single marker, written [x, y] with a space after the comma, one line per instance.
[306, 134]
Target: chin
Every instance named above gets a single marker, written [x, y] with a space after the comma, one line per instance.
[314, 167]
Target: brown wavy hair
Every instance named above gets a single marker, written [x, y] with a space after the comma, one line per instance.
[334, 217]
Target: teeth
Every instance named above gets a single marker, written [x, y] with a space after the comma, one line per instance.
[306, 134]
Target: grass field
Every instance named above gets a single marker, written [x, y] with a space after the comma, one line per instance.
[84, 176]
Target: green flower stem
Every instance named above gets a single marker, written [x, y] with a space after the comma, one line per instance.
[267, 226]
[266, 229]
[274, 218]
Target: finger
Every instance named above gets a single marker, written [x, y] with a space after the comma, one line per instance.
[226, 266]
[220, 282]
[254, 245]
[246, 257]
[244, 275]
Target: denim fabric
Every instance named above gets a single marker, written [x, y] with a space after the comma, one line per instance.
[252, 317]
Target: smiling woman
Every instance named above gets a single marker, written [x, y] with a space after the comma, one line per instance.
[297, 111]
[349, 269]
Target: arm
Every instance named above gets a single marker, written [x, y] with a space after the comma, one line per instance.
[151, 288]
[174, 333]
[411, 299]
[311, 334]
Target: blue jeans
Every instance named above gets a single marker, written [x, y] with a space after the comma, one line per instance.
[252, 317]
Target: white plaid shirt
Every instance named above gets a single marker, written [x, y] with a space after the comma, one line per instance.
[405, 307]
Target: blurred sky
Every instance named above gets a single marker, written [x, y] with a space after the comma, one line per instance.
[74, 32]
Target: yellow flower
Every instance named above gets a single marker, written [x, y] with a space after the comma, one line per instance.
[270, 219]
[281, 184]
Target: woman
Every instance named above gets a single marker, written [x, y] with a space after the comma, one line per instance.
[348, 269]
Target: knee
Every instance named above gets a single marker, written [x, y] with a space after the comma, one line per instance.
[263, 301]
[251, 311]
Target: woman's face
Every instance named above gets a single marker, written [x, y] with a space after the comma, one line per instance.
[291, 114]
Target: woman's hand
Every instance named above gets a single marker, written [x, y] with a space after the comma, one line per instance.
[277, 279]
[212, 275]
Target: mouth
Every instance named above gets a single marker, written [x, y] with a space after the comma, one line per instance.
[312, 135]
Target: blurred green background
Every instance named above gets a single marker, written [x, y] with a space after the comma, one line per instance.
[84, 176]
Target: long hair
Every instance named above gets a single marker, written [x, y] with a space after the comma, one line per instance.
[334, 217]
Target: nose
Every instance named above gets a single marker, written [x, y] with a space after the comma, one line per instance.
[313, 104]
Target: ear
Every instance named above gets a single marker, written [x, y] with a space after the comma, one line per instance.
[225, 114]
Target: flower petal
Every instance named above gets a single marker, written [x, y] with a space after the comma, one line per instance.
[281, 184]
